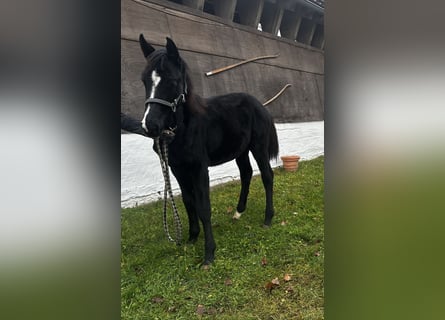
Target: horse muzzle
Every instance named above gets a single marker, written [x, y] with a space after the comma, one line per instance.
[152, 129]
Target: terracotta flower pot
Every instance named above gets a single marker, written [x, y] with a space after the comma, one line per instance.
[290, 163]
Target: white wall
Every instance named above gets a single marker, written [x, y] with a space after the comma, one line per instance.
[141, 175]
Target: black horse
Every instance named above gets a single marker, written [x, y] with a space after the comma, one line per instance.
[207, 132]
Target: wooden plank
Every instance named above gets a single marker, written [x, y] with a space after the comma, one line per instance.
[137, 18]
[205, 45]
[211, 38]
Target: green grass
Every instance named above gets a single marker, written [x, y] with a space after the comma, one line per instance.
[160, 280]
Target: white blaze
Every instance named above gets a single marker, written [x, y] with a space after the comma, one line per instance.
[155, 78]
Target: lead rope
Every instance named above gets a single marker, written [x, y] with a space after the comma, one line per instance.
[163, 157]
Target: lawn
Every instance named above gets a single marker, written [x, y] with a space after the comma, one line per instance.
[258, 273]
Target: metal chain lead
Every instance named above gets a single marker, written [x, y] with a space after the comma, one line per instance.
[169, 189]
[163, 157]
[165, 190]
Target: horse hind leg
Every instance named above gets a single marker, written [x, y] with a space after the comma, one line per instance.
[245, 169]
[267, 176]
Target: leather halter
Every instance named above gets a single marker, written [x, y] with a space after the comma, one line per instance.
[172, 105]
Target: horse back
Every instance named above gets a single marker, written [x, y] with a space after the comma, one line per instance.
[233, 123]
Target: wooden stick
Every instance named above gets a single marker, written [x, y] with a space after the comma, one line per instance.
[211, 73]
[277, 95]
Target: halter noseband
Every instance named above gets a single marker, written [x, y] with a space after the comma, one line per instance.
[172, 105]
[170, 133]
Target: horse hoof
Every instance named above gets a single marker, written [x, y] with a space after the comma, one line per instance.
[266, 226]
[205, 266]
[236, 216]
[192, 240]
[267, 223]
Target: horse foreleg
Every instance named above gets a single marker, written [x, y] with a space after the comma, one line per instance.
[189, 202]
[245, 170]
[188, 198]
[202, 201]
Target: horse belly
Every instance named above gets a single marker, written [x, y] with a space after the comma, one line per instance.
[226, 148]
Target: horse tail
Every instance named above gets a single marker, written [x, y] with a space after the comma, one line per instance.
[273, 143]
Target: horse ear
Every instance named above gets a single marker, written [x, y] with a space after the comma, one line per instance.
[172, 50]
[147, 49]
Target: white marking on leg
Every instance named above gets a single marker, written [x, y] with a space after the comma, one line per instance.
[155, 78]
[237, 215]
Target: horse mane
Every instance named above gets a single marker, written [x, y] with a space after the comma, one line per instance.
[194, 103]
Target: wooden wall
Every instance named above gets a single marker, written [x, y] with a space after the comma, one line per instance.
[207, 42]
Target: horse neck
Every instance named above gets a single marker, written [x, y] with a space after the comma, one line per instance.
[194, 104]
[191, 118]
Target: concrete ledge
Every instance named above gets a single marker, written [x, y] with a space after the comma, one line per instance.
[141, 176]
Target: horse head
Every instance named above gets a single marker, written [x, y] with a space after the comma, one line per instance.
[165, 82]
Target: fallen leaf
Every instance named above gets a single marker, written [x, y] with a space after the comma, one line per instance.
[317, 254]
[283, 223]
[287, 277]
[229, 210]
[157, 300]
[264, 261]
[228, 282]
[212, 311]
[269, 286]
[289, 289]
[272, 284]
[200, 310]
[172, 309]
